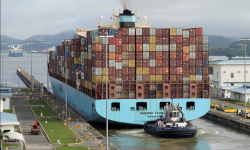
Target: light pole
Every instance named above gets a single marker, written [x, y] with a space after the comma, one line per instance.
[31, 66]
[66, 99]
[106, 36]
[1, 60]
[27, 57]
[47, 66]
[245, 38]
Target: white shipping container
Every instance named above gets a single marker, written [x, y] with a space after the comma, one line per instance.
[89, 56]
[205, 39]
[146, 47]
[192, 55]
[69, 42]
[82, 75]
[199, 78]
[82, 62]
[205, 47]
[67, 71]
[118, 96]
[151, 62]
[131, 31]
[89, 48]
[118, 65]
[95, 32]
[72, 53]
[139, 78]
[94, 40]
[82, 41]
[131, 95]
[98, 71]
[138, 31]
[76, 36]
[105, 41]
[178, 31]
[67, 76]
[82, 55]
[93, 71]
[158, 48]
[125, 63]
[165, 48]
[152, 87]
[145, 55]
[131, 47]
[118, 88]
[112, 63]
[112, 48]
[192, 48]
[67, 48]
[172, 47]
[185, 33]
[152, 31]
[118, 80]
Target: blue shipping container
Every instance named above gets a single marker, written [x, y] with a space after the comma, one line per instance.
[67, 54]
[65, 69]
[56, 57]
[86, 41]
[159, 87]
[75, 79]
[55, 67]
[85, 76]
[152, 94]
[205, 63]
[198, 70]
[82, 68]
[112, 32]
[76, 66]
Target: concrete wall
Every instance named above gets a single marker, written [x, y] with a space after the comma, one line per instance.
[6, 103]
[240, 97]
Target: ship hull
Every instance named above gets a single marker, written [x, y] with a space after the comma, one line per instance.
[15, 54]
[95, 110]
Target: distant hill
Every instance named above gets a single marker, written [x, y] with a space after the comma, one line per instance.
[219, 41]
[38, 40]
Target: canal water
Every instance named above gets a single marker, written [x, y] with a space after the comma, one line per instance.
[211, 135]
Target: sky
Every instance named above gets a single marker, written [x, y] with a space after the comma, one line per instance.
[22, 19]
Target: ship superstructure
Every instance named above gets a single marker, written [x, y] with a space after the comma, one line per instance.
[146, 66]
[15, 50]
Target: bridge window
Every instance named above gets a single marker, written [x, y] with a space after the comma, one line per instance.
[163, 105]
[141, 106]
[115, 106]
[190, 106]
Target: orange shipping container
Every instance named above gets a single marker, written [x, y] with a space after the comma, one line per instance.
[138, 47]
[158, 55]
[111, 55]
[118, 42]
[185, 57]
[185, 49]
[158, 63]
[165, 70]
[125, 47]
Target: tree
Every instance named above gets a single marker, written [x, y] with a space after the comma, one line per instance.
[2, 136]
[230, 56]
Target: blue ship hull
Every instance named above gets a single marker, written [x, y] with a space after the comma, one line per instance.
[15, 54]
[95, 110]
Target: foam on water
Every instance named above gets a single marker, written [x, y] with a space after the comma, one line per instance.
[134, 133]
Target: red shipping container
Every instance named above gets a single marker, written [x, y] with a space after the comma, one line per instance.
[131, 55]
[158, 70]
[88, 34]
[185, 41]
[145, 63]
[125, 39]
[138, 47]
[179, 39]
[96, 63]
[85, 68]
[205, 77]
[205, 70]
[159, 40]
[131, 78]
[131, 71]
[192, 70]
[158, 32]
[70, 60]
[198, 31]
[192, 62]
[185, 73]
[179, 55]
[198, 63]
[165, 70]
[145, 31]
[198, 55]
[104, 64]
[172, 39]
[165, 40]
[125, 31]
[165, 78]
[173, 70]
[179, 62]
[89, 40]
[96, 55]
[125, 47]
[152, 55]
[85, 62]
[179, 79]
[111, 78]
[205, 55]
[179, 70]
[112, 41]
[198, 47]
[138, 63]
[138, 39]
[104, 55]
[82, 48]
[192, 40]
[165, 62]
[165, 32]
[138, 55]
[118, 73]
[172, 62]
[145, 39]
[172, 55]
[185, 57]
[158, 55]
[124, 78]
[165, 55]
[158, 63]
[118, 49]
[118, 57]
[198, 39]
[179, 47]
[118, 42]
[145, 78]
[152, 70]
[111, 71]
[192, 32]
[118, 34]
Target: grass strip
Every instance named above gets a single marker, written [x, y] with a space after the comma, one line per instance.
[236, 102]
[225, 107]
[72, 148]
[46, 110]
[214, 103]
[60, 132]
[8, 111]
[11, 144]
[25, 90]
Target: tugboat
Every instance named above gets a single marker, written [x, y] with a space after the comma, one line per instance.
[172, 126]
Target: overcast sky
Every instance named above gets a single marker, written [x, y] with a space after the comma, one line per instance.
[24, 18]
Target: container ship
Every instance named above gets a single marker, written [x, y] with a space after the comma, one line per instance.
[15, 51]
[145, 68]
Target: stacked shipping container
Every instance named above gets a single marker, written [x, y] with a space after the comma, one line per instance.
[142, 63]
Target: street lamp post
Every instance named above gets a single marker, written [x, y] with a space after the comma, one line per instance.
[47, 66]
[1, 62]
[245, 38]
[31, 66]
[105, 37]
